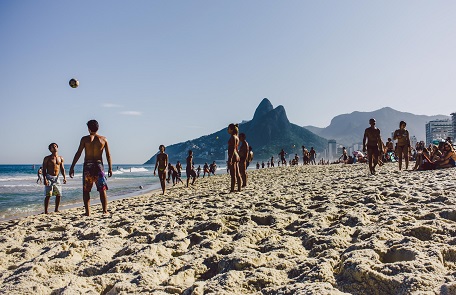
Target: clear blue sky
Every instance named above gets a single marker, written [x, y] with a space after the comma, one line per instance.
[163, 72]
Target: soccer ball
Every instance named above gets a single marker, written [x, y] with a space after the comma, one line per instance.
[74, 83]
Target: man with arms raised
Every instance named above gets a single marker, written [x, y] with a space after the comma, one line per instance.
[93, 171]
[374, 145]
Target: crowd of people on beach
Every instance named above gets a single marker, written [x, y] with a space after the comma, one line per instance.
[240, 155]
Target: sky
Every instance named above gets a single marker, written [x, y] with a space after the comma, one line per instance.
[164, 72]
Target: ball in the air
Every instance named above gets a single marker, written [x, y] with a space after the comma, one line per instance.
[74, 83]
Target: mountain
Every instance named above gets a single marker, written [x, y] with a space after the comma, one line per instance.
[347, 129]
[268, 132]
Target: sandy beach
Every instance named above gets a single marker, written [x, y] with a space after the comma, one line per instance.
[294, 230]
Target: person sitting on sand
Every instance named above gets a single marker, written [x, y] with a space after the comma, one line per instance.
[448, 159]
[161, 163]
[423, 160]
[233, 157]
[403, 144]
[93, 171]
[189, 168]
[372, 142]
[344, 155]
[52, 167]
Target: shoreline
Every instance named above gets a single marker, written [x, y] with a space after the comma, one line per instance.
[331, 229]
[94, 200]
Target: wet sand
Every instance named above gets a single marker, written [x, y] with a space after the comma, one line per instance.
[294, 230]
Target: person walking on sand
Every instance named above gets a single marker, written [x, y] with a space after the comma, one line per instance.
[403, 144]
[39, 174]
[233, 157]
[179, 168]
[243, 154]
[93, 171]
[162, 164]
[313, 156]
[373, 142]
[189, 168]
[282, 157]
[52, 166]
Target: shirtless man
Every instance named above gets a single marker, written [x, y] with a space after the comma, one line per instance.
[52, 166]
[374, 145]
[189, 168]
[93, 170]
[282, 157]
[162, 165]
[243, 154]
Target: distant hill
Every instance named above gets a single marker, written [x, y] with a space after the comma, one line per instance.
[347, 129]
[268, 132]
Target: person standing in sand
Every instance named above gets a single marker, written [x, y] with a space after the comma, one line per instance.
[52, 166]
[282, 157]
[93, 171]
[243, 154]
[162, 164]
[374, 144]
[403, 144]
[233, 156]
[189, 168]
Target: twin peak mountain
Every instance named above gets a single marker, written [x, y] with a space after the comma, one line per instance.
[268, 132]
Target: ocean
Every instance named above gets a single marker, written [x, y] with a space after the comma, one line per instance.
[21, 195]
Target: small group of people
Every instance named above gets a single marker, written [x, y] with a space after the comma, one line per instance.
[308, 157]
[93, 171]
[239, 157]
[435, 156]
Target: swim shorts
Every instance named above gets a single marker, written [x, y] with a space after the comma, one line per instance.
[190, 172]
[93, 172]
[452, 162]
[54, 188]
[373, 150]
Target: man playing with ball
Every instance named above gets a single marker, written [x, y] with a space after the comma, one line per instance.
[93, 171]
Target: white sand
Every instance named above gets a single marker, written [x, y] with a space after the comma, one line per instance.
[294, 230]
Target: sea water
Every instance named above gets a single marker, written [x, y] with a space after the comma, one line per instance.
[21, 195]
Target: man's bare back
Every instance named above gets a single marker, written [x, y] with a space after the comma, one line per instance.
[93, 145]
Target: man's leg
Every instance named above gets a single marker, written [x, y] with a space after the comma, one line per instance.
[57, 203]
[104, 201]
[46, 204]
[86, 199]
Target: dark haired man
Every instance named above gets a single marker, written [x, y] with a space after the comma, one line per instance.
[189, 169]
[93, 170]
[52, 166]
[374, 144]
[162, 164]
